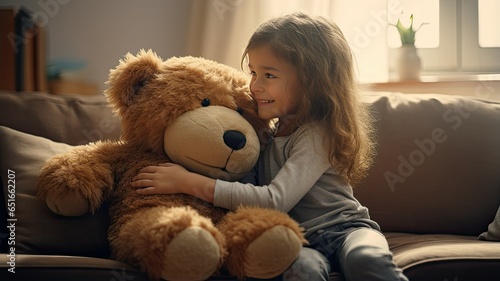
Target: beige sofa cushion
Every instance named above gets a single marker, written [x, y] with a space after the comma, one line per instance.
[439, 256]
[437, 167]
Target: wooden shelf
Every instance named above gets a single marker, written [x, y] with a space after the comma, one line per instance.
[65, 87]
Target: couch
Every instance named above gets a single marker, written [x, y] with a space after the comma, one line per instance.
[434, 187]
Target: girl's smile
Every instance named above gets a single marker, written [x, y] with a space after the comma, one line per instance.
[265, 101]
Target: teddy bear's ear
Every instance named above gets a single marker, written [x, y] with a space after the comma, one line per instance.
[132, 73]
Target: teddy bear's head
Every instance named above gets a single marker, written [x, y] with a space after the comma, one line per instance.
[199, 112]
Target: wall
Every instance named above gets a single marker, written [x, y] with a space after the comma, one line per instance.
[101, 32]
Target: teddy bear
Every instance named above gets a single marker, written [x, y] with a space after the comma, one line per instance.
[197, 113]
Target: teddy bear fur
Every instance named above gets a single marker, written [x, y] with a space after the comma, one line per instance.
[181, 107]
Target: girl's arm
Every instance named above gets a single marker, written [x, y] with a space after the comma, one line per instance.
[170, 178]
[304, 164]
[295, 165]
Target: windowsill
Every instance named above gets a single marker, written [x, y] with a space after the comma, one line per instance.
[485, 86]
[444, 78]
[461, 78]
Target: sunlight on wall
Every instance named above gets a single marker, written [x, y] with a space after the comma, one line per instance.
[364, 25]
[365, 30]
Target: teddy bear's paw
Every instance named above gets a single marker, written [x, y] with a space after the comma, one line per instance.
[69, 204]
[193, 254]
[75, 183]
[272, 252]
[262, 243]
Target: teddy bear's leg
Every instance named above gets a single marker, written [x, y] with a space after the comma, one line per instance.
[261, 243]
[171, 243]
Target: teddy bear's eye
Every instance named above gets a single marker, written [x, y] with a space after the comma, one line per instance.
[205, 102]
[239, 110]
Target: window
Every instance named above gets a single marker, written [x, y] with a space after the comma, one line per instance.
[489, 34]
[461, 35]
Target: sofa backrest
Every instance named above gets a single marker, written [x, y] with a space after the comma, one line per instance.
[438, 164]
[70, 119]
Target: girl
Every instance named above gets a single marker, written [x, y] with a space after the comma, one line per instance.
[302, 74]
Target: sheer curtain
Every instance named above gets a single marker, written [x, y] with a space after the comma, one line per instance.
[220, 29]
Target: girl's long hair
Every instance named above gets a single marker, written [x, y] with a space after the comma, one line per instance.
[318, 51]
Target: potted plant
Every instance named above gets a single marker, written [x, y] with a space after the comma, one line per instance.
[407, 35]
[409, 63]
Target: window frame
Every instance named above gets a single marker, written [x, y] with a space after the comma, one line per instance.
[476, 58]
[459, 51]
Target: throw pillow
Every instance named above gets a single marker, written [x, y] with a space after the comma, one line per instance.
[35, 228]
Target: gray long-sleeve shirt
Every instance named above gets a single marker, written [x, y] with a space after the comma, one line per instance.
[295, 176]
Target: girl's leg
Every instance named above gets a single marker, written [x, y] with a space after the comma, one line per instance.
[311, 265]
[364, 255]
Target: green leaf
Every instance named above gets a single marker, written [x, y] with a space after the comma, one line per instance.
[407, 35]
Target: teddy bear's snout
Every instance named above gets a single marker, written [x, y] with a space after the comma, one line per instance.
[234, 139]
[215, 141]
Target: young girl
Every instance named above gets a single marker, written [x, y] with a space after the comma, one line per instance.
[302, 74]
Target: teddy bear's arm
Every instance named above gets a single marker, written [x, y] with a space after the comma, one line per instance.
[77, 182]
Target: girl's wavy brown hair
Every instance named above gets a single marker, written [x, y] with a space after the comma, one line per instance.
[319, 52]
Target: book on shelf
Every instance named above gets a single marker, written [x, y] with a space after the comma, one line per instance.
[40, 59]
[22, 51]
[23, 40]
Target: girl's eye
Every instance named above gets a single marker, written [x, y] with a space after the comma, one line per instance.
[267, 75]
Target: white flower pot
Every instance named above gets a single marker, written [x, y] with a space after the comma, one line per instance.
[408, 63]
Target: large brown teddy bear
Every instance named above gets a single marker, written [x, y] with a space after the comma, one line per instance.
[201, 115]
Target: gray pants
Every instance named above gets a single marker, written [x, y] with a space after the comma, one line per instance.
[356, 250]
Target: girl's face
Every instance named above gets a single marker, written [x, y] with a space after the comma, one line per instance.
[274, 84]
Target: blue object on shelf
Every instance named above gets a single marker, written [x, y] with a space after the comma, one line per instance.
[57, 66]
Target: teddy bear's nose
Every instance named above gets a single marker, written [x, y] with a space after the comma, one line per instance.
[234, 139]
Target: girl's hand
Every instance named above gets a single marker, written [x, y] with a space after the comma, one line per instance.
[163, 179]
[170, 178]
